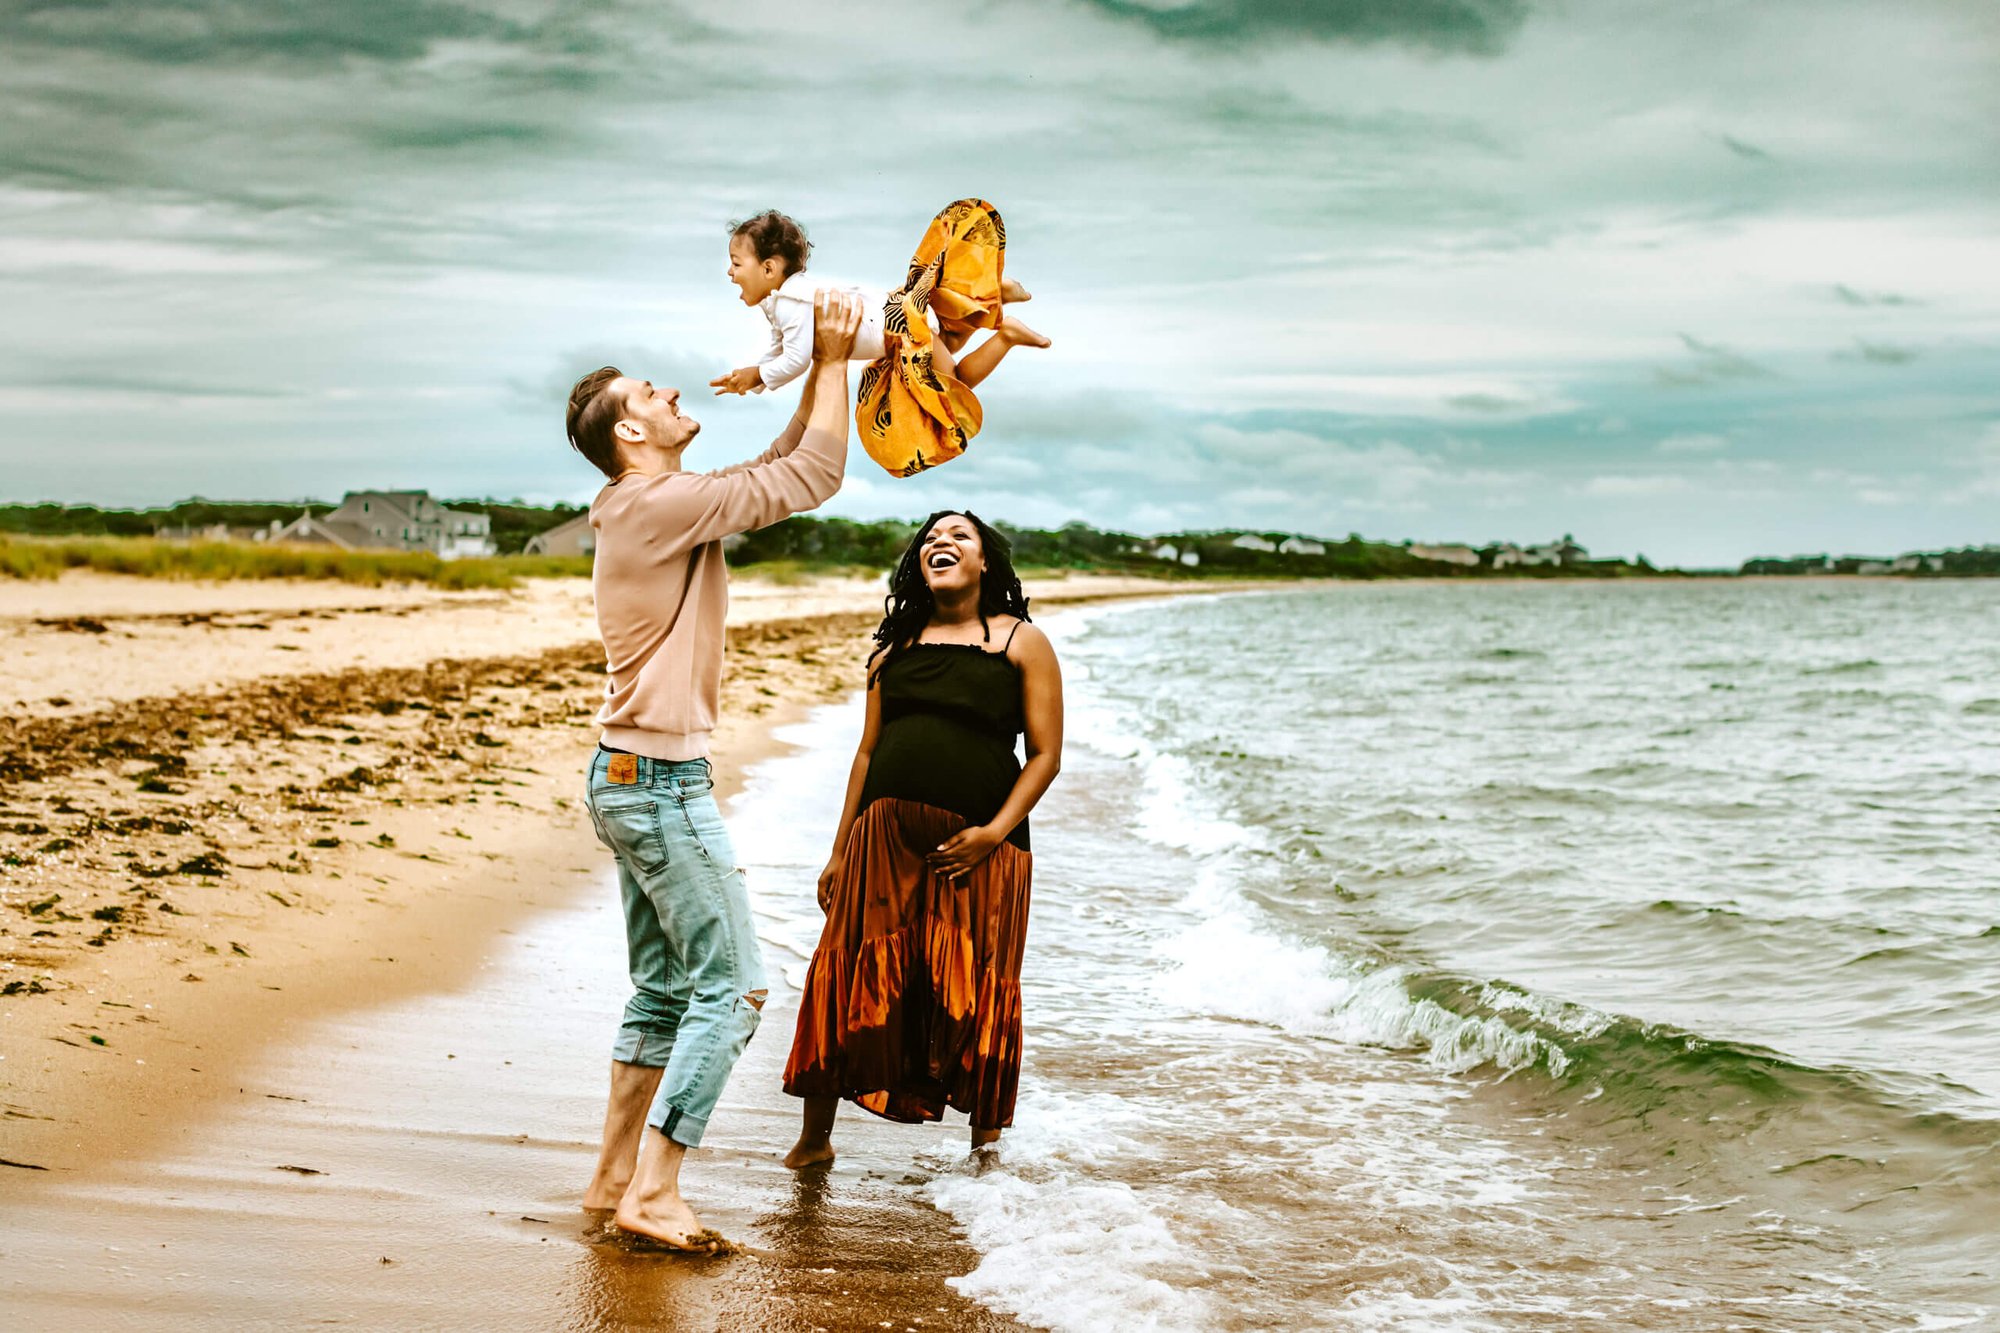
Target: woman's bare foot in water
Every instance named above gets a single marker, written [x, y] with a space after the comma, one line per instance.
[810, 1152]
[1013, 293]
[1019, 334]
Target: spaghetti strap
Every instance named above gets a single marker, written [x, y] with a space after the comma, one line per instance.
[1010, 636]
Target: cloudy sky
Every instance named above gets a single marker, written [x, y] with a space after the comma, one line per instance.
[1701, 279]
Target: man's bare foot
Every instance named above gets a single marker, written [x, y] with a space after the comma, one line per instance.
[665, 1219]
[804, 1154]
[1014, 331]
[1013, 293]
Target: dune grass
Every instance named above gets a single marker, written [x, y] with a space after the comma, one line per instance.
[145, 557]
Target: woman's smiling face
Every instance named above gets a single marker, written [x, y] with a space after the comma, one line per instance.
[951, 555]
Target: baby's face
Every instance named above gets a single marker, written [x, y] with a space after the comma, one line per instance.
[755, 278]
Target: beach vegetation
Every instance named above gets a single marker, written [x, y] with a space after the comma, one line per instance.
[147, 557]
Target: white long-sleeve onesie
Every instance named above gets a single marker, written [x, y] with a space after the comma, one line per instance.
[790, 310]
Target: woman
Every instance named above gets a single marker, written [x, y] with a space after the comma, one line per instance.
[913, 1001]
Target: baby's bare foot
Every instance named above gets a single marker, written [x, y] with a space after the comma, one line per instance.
[805, 1154]
[1013, 293]
[1014, 331]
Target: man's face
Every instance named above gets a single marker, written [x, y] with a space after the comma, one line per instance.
[656, 413]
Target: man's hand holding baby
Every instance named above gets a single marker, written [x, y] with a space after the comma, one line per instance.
[836, 319]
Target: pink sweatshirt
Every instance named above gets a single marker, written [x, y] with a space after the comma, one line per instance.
[662, 590]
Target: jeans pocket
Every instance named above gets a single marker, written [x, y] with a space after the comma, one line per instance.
[632, 831]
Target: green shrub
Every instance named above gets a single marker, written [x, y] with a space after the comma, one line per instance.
[146, 557]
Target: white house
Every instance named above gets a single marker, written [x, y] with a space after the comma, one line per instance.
[1301, 546]
[397, 521]
[1564, 552]
[1190, 558]
[576, 537]
[1914, 563]
[1166, 551]
[1451, 554]
[1250, 541]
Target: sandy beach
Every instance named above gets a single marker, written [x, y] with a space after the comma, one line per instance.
[288, 870]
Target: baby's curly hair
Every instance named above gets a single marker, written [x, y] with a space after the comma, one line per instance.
[774, 236]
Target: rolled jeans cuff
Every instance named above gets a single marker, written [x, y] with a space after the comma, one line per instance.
[645, 1049]
[679, 1126]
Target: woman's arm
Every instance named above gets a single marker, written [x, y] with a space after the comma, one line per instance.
[1042, 703]
[850, 809]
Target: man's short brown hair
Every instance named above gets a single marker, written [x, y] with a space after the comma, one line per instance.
[593, 412]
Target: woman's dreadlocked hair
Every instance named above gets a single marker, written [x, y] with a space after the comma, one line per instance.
[907, 609]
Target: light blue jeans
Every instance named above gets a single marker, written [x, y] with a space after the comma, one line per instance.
[691, 944]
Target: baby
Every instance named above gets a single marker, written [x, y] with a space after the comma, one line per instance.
[915, 407]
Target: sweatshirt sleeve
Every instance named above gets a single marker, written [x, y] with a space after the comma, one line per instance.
[685, 509]
[792, 342]
[788, 440]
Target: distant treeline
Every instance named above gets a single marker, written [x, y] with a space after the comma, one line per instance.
[513, 523]
[837, 541]
[811, 541]
[1968, 562]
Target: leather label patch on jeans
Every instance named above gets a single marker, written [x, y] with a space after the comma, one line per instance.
[622, 769]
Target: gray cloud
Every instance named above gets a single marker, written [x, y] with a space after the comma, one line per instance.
[1711, 363]
[127, 384]
[1471, 27]
[1846, 295]
[1748, 151]
[1483, 403]
[200, 32]
[1879, 354]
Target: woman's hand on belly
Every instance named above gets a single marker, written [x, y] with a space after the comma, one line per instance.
[963, 850]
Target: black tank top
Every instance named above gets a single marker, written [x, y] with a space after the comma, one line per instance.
[950, 713]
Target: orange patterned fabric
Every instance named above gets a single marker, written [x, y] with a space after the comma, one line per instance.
[911, 415]
[913, 1000]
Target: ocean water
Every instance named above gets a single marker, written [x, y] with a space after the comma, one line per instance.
[1499, 957]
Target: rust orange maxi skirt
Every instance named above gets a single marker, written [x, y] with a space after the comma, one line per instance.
[913, 1001]
[910, 414]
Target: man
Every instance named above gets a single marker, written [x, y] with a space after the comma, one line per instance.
[662, 593]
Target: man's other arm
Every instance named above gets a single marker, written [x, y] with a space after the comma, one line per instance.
[788, 438]
[709, 507]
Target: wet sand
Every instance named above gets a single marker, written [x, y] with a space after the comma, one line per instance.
[338, 909]
[416, 1164]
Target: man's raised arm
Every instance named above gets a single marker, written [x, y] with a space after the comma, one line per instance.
[793, 475]
[788, 438]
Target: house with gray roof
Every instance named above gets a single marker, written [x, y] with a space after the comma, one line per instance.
[574, 537]
[395, 521]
